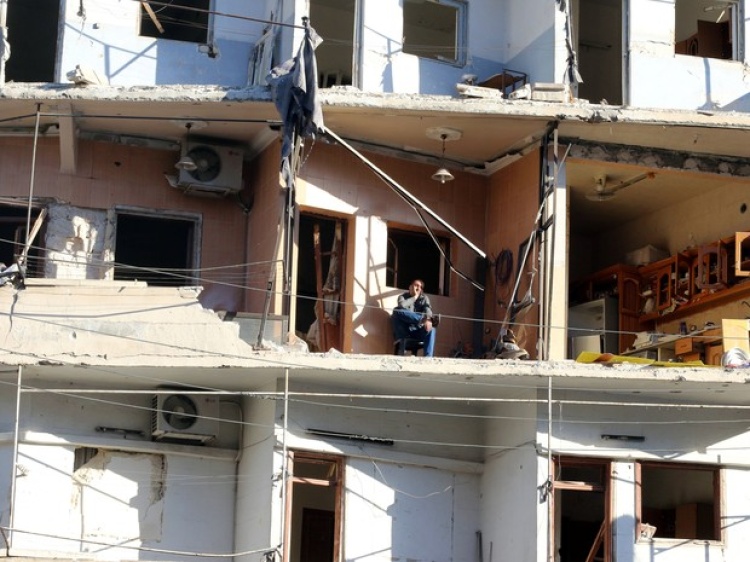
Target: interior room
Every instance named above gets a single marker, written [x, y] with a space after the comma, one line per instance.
[655, 251]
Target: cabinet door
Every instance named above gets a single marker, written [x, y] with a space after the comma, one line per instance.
[712, 267]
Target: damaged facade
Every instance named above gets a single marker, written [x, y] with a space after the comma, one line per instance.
[198, 358]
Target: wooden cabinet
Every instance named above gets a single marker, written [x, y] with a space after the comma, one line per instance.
[742, 254]
[657, 284]
[713, 267]
[668, 282]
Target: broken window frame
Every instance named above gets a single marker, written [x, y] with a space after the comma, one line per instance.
[733, 16]
[643, 531]
[603, 485]
[193, 270]
[458, 57]
[174, 22]
[435, 284]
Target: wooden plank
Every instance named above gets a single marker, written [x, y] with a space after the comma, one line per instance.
[30, 241]
[319, 307]
[597, 542]
[152, 15]
[332, 290]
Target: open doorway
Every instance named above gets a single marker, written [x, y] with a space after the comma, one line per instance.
[599, 48]
[334, 21]
[32, 34]
[320, 282]
[581, 507]
[314, 508]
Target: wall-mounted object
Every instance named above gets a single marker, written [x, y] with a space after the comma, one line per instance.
[184, 417]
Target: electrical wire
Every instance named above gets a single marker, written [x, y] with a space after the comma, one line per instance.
[138, 548]
[165, 272]
[222, 14]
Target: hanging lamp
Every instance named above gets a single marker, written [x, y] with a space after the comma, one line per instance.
[442, 174]
[186, 162]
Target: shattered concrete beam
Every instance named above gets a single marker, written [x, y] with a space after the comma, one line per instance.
[658, 159]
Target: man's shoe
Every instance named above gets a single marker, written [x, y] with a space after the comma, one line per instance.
[512, 351]
[435, 320]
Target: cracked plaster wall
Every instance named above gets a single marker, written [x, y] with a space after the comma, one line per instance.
[78, 243]
[134, 499]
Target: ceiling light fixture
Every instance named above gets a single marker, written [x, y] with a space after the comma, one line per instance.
[443, 175]
[443, 134]
[186, 162]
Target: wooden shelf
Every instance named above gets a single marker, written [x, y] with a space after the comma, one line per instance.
[701, 302]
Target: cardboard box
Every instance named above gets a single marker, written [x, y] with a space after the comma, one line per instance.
[646, 255]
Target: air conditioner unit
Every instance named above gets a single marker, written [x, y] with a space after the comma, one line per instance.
[185, 417]
[218, 170]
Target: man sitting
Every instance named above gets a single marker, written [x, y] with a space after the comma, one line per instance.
[413, 318]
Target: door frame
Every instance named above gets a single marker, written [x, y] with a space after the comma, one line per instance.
[336, 481]
[604, 486]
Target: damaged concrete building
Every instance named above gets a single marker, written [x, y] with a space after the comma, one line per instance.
[197, 355]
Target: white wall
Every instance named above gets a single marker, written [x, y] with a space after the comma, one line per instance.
[661, 79]
[413, 432]
[398, 512]
[133, 492]
[107, 41]
[510, 502]
[137, 500]
[702, 435]
[533, 37]
[258, 495]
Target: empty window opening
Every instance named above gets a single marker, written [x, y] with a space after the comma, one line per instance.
[581, 507]
[160, 251]
[414, 255]
[707, 28]
[315, 511]
[13, 239]
[679, 502]
[182, 20]
[32, 34]
[434, 29]
[334, 20]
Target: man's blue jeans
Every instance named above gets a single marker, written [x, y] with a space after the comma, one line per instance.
[406, 325]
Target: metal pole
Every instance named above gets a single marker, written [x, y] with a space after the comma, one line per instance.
[284, 463]
[405, 194]
[31, 182]
[550, 480]
[15, 457]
